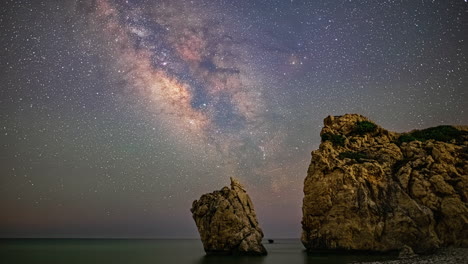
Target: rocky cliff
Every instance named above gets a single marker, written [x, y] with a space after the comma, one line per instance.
[371, 189]
[227, 222]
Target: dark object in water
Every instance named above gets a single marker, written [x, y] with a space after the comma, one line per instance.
[271, 241]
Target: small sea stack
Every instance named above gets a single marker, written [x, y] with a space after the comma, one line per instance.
[227, 222]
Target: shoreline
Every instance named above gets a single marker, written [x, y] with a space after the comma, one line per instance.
[450, 255]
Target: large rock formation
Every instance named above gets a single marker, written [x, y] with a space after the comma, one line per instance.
[374, 190]
[227, 222]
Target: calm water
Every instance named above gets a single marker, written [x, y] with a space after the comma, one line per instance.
[151, 251]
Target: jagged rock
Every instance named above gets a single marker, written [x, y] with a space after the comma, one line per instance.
[227, 222]
[367, 189]
[406, 252]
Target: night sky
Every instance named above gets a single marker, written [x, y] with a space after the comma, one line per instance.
[116, 115]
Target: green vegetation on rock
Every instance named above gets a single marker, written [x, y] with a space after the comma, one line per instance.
[406, 138]
[363, 127]
[439, 133]
[337, 140]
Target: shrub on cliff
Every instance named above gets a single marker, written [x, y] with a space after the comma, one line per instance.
[363, 127]
[406, 138]
[439, 133]
[337, 140]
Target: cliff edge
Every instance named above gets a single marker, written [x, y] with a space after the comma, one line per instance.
[369, 189]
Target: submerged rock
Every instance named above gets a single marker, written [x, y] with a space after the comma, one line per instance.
[227, 222]
[368, 189]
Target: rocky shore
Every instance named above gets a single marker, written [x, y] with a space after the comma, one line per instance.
[443, 256]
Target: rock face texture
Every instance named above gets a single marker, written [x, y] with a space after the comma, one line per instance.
[373, 190]
[227, 222]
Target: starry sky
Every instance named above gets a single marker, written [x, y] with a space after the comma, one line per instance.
[116, 115]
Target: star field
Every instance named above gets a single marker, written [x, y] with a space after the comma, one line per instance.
[116, 115]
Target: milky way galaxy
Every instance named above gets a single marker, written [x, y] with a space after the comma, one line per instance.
[117, 114]
[193, 72]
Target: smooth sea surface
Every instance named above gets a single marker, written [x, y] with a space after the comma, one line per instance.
[154, 251]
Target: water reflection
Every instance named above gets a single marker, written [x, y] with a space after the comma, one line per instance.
[341, 258]
[120, 251]
[231, 259]
[279, 255]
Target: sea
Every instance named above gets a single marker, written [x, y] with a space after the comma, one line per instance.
[155, 251]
